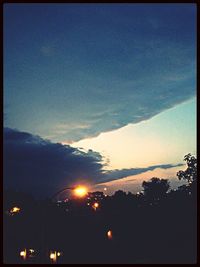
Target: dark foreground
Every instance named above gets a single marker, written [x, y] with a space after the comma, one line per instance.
[143, 230]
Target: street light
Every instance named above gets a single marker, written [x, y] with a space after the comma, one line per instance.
[105, 189]
[14, 210]
[27, 253]
[109, 234]
[54, 255]
[23, 254]
[80, 191]
[95, 206]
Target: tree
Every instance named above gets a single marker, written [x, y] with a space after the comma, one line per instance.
[190, 174]
[120, 194]
[156, 188]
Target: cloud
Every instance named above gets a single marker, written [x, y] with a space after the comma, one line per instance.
[123, 173]
[120, 65]
[41, 167]
[135, 95]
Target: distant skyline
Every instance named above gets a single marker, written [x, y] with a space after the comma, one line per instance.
[116, 81]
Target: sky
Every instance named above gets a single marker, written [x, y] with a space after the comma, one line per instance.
[112, 86]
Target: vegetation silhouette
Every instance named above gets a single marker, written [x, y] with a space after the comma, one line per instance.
[157, 225]
[155, 189]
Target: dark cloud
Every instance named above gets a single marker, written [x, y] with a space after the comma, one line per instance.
[41, 167]
[37, 165]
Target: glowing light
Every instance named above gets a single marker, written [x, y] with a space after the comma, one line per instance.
[80, 191]
[31, 250]
[109, 234]
[95, 205]
[23, 254]
[15, 210]
[105, 189]
[53, 256]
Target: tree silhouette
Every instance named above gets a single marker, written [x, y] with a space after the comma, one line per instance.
[190, 174]
[156, 188]
[120, 194]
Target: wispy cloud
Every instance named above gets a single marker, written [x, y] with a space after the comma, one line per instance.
[124, 173]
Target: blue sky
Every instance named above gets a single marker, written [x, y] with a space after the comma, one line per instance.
[100, 72]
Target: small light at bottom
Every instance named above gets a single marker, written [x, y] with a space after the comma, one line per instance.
[109, 234]
[95, 206]
[52, 256]
[23, 254]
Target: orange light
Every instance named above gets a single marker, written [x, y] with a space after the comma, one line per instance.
[23, 254]
[95, 205]
[80, 191]
[15, 210]
[53, 256]
[109, 234]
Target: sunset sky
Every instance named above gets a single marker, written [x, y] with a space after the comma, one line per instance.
[98, 93]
